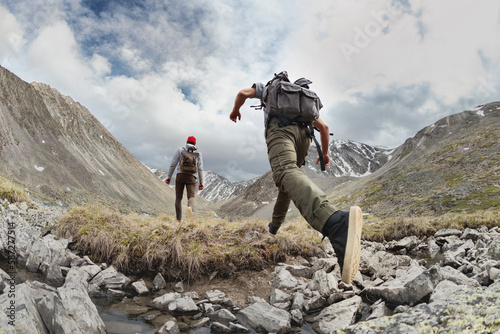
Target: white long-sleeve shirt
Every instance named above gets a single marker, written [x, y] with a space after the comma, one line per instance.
[178, 158]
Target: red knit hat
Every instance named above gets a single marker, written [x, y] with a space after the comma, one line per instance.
[191, 140]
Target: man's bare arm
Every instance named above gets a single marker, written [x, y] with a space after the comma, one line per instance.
[241, 97]
[324, 133]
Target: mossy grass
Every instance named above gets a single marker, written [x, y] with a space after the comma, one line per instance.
[181, 250]
[395, 228]
[12, 191]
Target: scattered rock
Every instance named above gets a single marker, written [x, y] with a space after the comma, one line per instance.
[140, 287]
[461, 292]
[159, 282]
[262, 316]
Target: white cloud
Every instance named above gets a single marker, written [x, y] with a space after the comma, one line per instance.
[54, 55]
[11, 38]
[100, 65]
[157, 73]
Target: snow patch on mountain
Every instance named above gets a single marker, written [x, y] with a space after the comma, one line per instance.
[216, 188]
[349, 158]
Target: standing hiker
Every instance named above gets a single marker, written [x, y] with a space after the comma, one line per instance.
[190, 163]
[291, 111]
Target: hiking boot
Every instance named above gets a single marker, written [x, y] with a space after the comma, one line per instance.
[273, 229]
[189, 214]
[343, 229]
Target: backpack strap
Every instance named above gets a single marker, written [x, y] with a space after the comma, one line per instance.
[310, 131]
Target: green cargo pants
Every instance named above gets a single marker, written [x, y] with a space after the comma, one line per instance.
[287, 148]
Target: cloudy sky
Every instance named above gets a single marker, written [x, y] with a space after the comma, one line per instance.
[155, 72]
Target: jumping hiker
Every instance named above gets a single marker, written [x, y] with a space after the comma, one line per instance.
[190, 163]
[288, 138]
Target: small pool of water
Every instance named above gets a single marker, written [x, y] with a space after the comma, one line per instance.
[119, 322]
[119, 317]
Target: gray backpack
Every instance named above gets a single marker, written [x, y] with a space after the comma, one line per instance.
[292, 101]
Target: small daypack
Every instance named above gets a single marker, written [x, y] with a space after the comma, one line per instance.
[291, 101]
[189, 164]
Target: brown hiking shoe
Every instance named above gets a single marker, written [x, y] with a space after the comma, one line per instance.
[353, 247]
[189, 214]
[343, 229]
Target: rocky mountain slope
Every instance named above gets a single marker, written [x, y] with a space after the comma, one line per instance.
[449, 166]
[217, 188]
[59, 151]
[349, 159]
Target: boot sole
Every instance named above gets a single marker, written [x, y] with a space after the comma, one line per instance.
[353, 246]
[189, 214]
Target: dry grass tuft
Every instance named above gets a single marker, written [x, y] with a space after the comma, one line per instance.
[137, 244]
[396, 228]
[12, 192]
[147, 245]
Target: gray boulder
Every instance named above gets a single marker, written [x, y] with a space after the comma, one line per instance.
[54, 275]
[379, 309]
[170, 327]
[494, 250]
[110, 278]
[382, 264]
[467, 310]
[277, 296]
[455, 276]
[262, 316]
[215, 296]
[284, 280]
[140, 288]
[46, 251]
[182, 306]
[336, 316]
[409, 288]
[443, 290]
[159, 282]
[325, 284]
[27, 318]
[162, 302]
[70, 310]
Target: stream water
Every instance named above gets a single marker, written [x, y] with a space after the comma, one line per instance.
[116, 319]
[120, 317]
[126, 317]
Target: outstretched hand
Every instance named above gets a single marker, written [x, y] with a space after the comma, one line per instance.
[235, 115]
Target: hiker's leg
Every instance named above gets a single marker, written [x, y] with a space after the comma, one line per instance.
[280, 208]
[179, 190]
[283, 201]
[283, 145]
[191, 190]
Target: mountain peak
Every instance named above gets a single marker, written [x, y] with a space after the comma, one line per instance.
[58, 150]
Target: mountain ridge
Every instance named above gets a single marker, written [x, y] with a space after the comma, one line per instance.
[433, 173]
[57, 149]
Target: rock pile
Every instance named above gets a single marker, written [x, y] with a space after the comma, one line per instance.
[396, 290]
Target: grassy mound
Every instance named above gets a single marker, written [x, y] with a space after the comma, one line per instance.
[398, 227]
[12, 192]
[179, 250]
